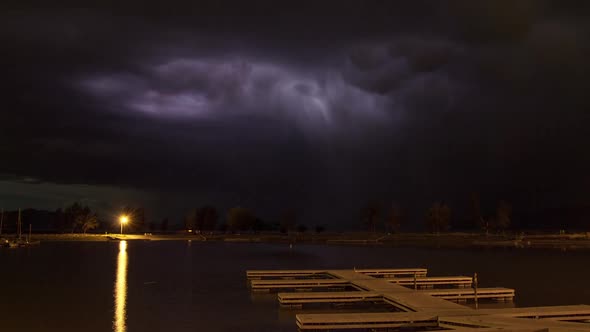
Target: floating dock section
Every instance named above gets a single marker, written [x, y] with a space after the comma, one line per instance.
[423, 303]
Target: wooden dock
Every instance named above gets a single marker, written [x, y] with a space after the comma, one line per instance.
[296, 274]
[420, 307]
[298, 299]
[427, 282]
[495, 293]
[366, 321]
[297, 284]
[284, 274]
[393, 273]
[286, 283]
[415, 320]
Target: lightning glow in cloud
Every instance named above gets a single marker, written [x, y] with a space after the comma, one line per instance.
[211, 88]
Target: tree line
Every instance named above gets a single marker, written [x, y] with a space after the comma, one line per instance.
[75, 218]
[78, 218]
[240, 219]
[437, 217]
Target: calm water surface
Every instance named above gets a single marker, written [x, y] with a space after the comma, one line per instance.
[181, 286]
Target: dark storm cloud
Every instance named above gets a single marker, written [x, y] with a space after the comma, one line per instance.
[201, 88]
[338, 99]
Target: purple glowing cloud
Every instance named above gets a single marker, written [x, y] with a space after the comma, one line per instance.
[212, 88]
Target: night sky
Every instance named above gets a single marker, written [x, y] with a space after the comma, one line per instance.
[320, 106]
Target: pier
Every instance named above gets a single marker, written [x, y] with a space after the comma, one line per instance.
[459, 295]
[295, 274]
[267, 285]
[417, 301]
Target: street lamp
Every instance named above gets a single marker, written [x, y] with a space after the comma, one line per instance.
[123, 220]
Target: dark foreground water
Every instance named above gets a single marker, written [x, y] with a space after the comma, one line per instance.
[180, 286]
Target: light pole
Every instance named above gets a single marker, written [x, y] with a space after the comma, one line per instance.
[123, 220]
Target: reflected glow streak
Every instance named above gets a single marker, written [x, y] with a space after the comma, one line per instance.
[120, 289]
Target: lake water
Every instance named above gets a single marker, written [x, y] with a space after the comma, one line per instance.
[180, 286]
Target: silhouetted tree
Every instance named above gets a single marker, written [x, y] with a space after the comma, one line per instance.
[475, 216]
[393, 221]
[77, 215]
[370, 215]
[206, 218]
[203, 218]
[288, 220]
[72, 213]
[241, 219]
[438, 217]
[139, 219]
[503, 215]
[302, 228]
[89, 221]
[319, 229]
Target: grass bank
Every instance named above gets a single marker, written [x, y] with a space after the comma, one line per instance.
[443, 240]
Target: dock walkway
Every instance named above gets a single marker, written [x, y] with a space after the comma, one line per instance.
[298, 299]
[420, 306]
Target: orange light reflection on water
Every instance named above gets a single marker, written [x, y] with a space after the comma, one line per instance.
[120, 291]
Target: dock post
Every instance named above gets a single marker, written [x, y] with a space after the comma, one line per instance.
[415, 282]
[475, 289]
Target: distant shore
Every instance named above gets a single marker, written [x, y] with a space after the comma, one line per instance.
[577, 241]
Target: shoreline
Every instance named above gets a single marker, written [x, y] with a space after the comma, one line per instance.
[578, 241]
